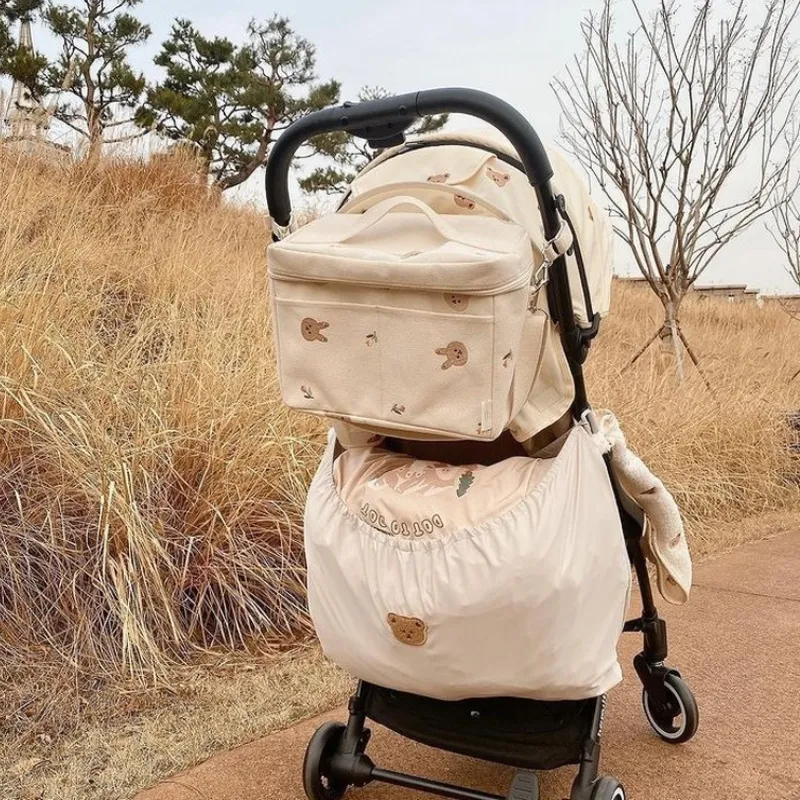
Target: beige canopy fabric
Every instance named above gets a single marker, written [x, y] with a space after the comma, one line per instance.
[445, 167]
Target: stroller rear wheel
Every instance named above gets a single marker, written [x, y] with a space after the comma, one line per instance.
[317, 782]
[608, 788]
[676, 719]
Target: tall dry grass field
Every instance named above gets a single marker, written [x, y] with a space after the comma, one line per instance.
[722, 451]
[151, 481]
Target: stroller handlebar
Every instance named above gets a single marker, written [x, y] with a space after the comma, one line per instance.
[383, 123]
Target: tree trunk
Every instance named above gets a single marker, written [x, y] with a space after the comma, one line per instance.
[671, 335]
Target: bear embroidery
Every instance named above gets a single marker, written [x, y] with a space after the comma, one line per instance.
[372, 339]
[440, 178]
[500, 178]
[460, 302]
[307, 393]
[398, 408]
[456, 354]
[408, 630]
[311, 330]
[464, 202]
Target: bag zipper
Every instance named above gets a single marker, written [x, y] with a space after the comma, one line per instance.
[517, 282]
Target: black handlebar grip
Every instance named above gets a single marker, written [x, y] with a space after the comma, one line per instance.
[383, 121]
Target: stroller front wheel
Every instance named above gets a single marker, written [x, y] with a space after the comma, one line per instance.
[608, 788]
[676, 719]
[317, 782]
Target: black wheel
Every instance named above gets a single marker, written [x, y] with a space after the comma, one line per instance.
[676, 720]
[608, 788]
[317, 783]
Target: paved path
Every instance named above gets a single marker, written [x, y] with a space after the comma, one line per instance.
[738, 644]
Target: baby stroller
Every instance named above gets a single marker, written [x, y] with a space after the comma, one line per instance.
[488, 636]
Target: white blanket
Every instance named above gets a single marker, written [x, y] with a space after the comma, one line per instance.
[665, 541]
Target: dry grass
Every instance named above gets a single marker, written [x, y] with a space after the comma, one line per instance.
[151, 483]
[723, 454]
[130, 739]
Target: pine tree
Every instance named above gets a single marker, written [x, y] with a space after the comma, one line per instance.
[230, 101]
[16, 62]
[95, 36]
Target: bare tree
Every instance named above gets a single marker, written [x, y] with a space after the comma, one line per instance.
[786, 233]
[674, 121]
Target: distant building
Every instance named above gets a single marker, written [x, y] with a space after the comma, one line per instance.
[733, 292]
[638, 280]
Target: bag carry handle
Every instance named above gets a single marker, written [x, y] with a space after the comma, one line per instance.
[352, 203]
[375, 214]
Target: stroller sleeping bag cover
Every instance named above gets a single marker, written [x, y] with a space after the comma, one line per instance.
[527, 603]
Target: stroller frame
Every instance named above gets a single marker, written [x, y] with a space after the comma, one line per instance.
[528, 734]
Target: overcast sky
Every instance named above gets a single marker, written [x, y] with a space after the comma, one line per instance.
[511, 48]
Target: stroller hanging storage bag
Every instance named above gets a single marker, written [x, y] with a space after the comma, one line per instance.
[528, 602]
[404, 320]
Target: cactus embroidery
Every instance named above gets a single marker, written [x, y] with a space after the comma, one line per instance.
[307, 393]
[464, 482]
[507, 358]
[372, 339]
[398, 408]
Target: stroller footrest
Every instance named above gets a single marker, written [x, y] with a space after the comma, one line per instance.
[525, 786]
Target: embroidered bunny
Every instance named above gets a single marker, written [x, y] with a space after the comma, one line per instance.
[311, 330]
[456, 354]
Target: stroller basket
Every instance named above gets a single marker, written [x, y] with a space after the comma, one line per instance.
[537, 732]
[530, 734]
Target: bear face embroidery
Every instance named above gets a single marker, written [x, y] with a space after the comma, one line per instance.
[464, 202]
[311, 330]
[439, 178]
[500, 178]
[408, 630]
[455, 354]
[459, 302]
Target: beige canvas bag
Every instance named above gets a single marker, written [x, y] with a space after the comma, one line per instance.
[454, 174]
[405, 320]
